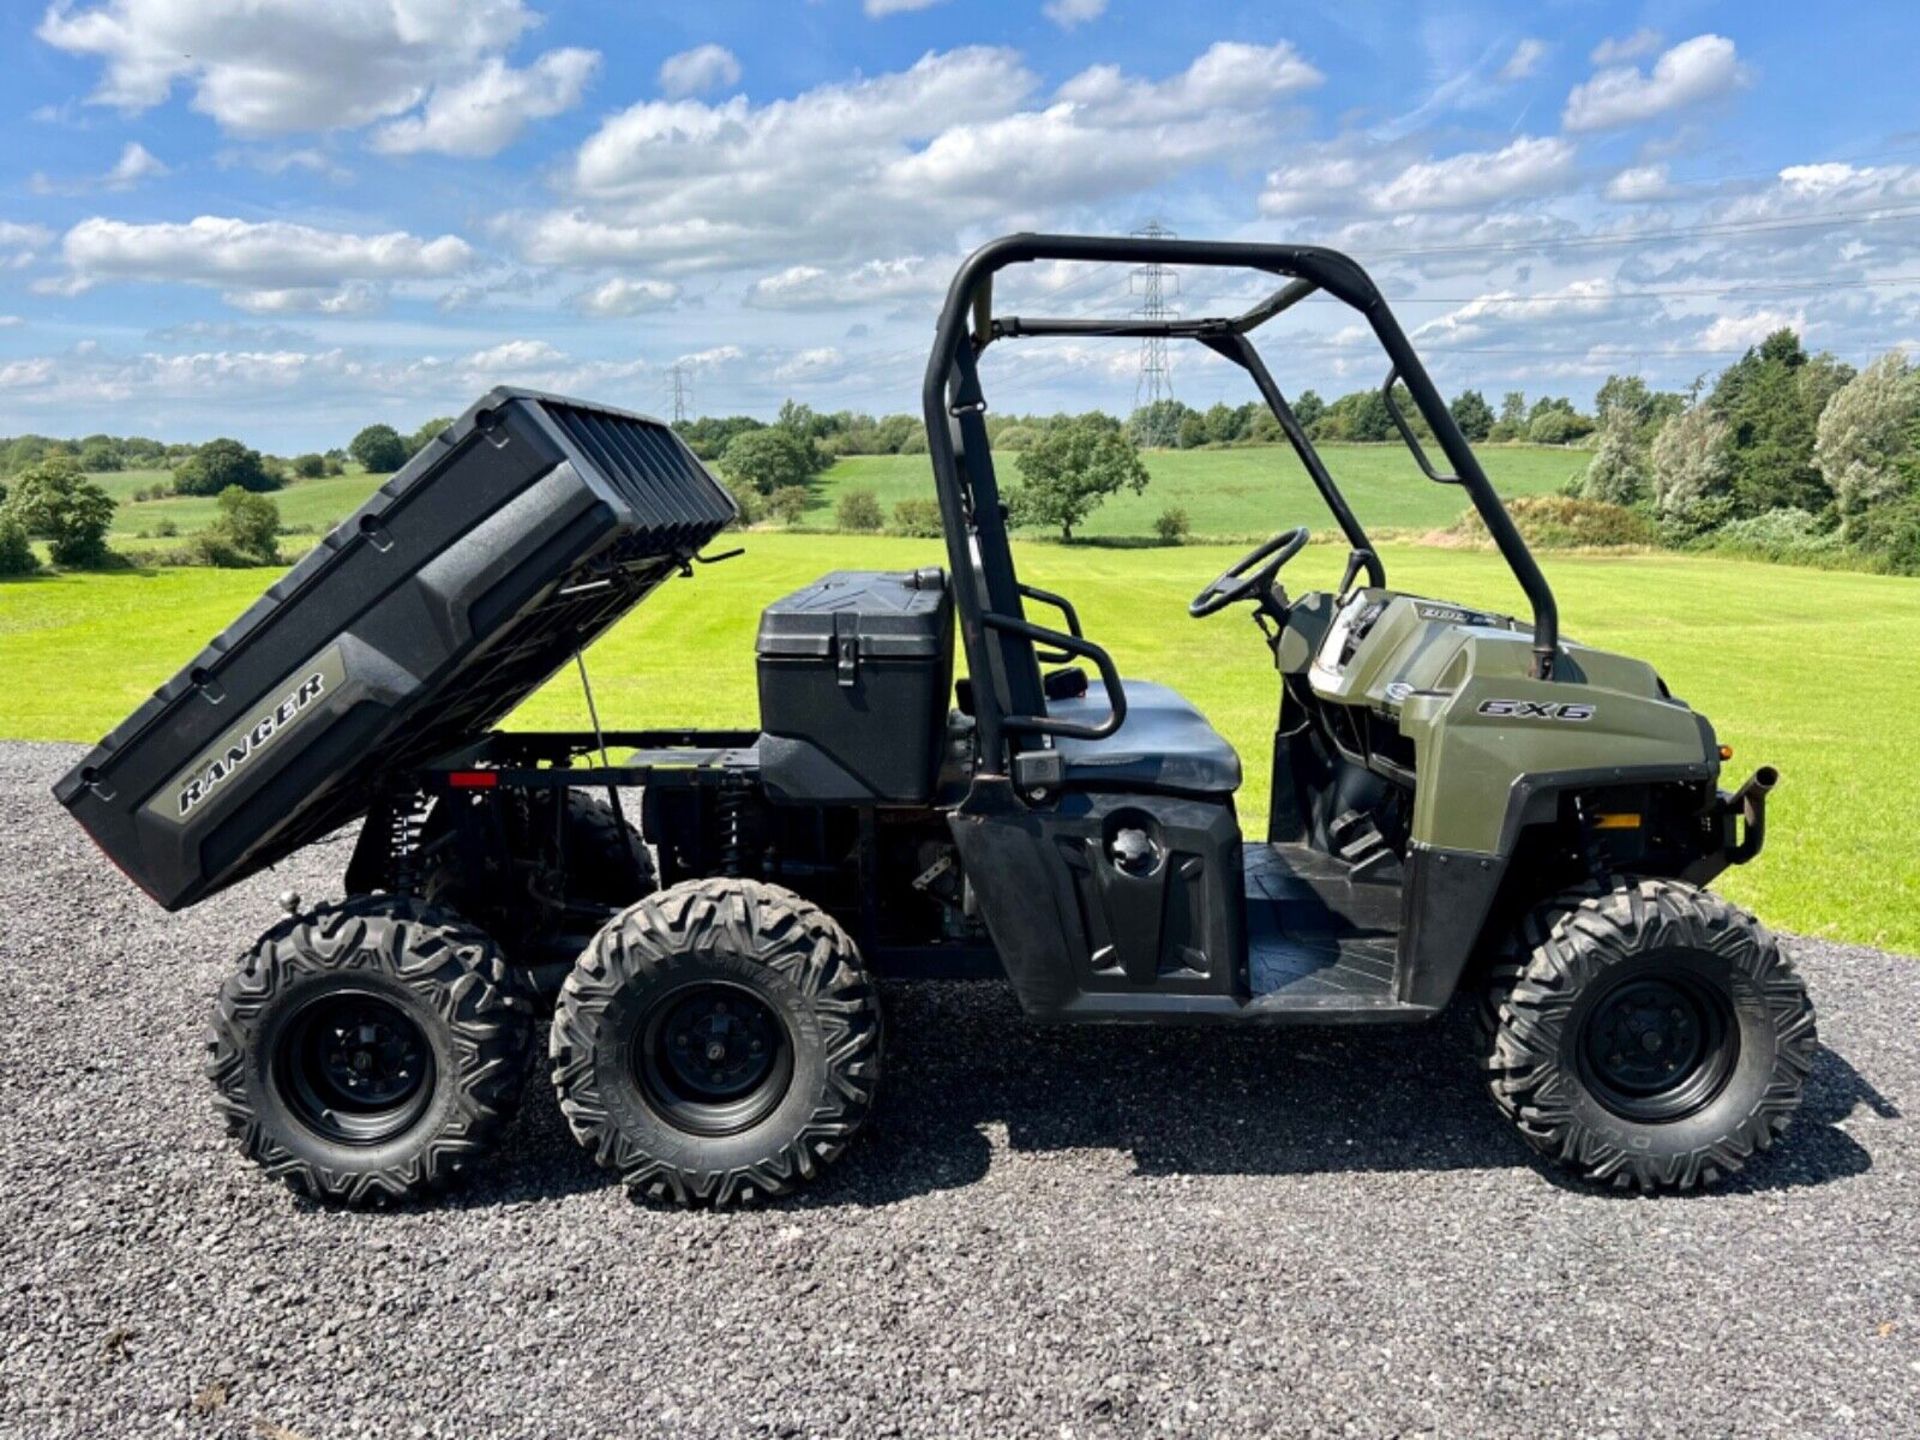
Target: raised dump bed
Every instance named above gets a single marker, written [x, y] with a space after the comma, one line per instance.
[519, 535]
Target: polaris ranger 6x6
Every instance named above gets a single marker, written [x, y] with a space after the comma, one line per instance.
[1461, 800]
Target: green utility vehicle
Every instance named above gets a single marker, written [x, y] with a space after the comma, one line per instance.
[1463, 803]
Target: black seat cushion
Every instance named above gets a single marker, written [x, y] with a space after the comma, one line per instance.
[1165, 744]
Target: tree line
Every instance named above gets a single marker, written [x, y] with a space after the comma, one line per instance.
[1786, 454]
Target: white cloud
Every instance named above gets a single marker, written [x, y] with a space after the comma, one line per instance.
[136, 163]
[715, 358]
[265, 67]
[1615, 50]
[696, 71]
[1529, 166]
[280, 161]
[810, 287]
[18, 374]
[1525, 59]
[877, 8]
[620, 296]
[1639, 184]
[1692, 71]
[20, 245]
[1107, 132]
[808, 364]
[484, 114]
[1069, 13]
[8, 322]
[1737, 332]
[1311, 185]
[958, 138]
[513, 355]
[356, 297]
[247, 256]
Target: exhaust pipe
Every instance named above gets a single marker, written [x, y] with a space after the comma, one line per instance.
[1751, 802]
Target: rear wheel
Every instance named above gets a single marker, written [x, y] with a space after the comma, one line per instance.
[369, 1050]
[718, 1041]
[1655, 1038]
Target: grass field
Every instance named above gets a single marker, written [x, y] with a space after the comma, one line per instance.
[1238, 494]
[1808, 670]
[1227, 494]
[313, 506]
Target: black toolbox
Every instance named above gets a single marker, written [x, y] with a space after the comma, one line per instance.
[522, 532]
[856, 679]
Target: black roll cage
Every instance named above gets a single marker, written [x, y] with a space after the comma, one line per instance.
[999, 639]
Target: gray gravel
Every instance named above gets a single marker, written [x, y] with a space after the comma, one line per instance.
[1070, 1233]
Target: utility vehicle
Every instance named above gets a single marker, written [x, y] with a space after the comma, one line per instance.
[1462, 802]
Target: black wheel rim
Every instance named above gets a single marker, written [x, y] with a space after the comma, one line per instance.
[1657, 1048]
[713, 1058]
[355, 1067]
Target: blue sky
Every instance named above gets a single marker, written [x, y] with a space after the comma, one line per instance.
[284, 218]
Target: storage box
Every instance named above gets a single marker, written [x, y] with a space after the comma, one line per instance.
[856, 670]
[520, 533]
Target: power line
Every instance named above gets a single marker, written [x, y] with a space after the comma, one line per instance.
[1870, 216]
[1155, 385]
[1767, 287]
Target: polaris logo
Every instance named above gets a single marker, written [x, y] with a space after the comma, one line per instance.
[211, 773]
[1535, 710]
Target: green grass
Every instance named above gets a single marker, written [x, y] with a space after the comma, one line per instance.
[314, 504]
[1227, 494]
[1230, 494]
[1812, 671]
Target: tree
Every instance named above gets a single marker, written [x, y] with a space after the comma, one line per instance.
[1557, 426]
[1618, 472]
[1308, 410]
[1066, 476]
[1472, 414]
[1360, 416]
[767, 460]
[1865, 442]
[858, 510]
[101, 453]
[379, 449]
[16, 551]
[1193, 430]
[220, 463]
[1691, 478]
[1770, 400]
[310, 466]
[1513, 408]
[246, 532]
[789, 503]
[422, 437]
[1172, 525]
[917, 518]
[53, 501]
[1224, 423]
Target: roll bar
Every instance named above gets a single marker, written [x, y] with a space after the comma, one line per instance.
[994, 628]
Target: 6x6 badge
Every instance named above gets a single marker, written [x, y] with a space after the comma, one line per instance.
[1536, 710]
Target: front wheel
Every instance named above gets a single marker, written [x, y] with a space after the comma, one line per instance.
[1654, 1038]
[717, 1042]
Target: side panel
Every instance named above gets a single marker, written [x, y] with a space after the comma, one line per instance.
[1087, 920]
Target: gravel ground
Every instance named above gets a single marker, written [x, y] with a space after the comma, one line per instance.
[1069, 1232]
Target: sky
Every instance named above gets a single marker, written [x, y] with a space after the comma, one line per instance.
[284, 219]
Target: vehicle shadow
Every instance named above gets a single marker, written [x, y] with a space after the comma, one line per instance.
[961, 1062]
[1242, 1102]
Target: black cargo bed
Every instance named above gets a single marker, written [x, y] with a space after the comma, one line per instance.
[525, 530]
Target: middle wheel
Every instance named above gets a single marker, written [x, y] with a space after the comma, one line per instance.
[719, 1040]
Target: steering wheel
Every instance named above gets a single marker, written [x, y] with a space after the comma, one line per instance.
[1242, 581]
